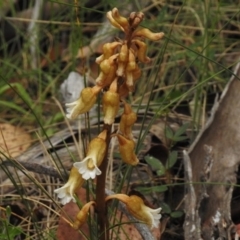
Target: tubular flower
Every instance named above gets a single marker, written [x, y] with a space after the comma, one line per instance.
[122, 60]
[108, 71]
[88, 167]
[81, 217]
[75, 181]
[113, 21]
[128, 118]
[108, 51]
[122, 21]
[111, 100]
[138, 209]
[84, 103]
[126, 149]
[146, 33]
[118, 21]
[131, 66]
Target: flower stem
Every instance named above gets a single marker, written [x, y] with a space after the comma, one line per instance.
[100, 192]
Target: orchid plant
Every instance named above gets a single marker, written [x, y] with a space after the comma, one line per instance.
[119, 72]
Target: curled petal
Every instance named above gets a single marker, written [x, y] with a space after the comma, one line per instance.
[141, 52]
[146, 33]
[81, 217]
[122, 21]
[100, 59]
[138, 209]
[101, 79]
[107, 64]
[113, 21]
[108, 72]
[108, 51]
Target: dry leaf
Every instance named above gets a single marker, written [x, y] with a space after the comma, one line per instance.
[13, 140]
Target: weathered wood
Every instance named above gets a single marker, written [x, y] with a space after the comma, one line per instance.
[213, 188]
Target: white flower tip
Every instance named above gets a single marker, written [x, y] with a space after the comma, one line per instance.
[63, 195]
[87, 173]
[156, 216]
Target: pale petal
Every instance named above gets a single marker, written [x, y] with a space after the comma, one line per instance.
[85, 171]
[71, 104]
[66, 200]
[63, 194]
[154, 215]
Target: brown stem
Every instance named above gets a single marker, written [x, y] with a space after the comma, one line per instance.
[100, 192]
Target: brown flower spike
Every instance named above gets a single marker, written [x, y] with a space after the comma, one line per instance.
[118, 76]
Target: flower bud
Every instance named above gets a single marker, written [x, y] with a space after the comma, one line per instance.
[128, 118]
[129, 81]
[135, 19]
[84, 103]
[131, 65]
[146, 33]
[81, 217]
[126, 149]
[122, 60]
[111, 102]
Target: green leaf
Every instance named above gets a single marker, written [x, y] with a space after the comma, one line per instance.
[182, 129]
[21, 92]
[8, 211]
[155, 163]
[160, 188]
[161, 171]
[176, 214]
[148, 190]
[166, 208]
[169, 133]
[180, 138]
[13, 106]
[172, 159]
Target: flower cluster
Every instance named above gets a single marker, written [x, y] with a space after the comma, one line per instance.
[119, 72]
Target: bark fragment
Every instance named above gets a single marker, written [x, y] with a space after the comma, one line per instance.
[215, 158]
